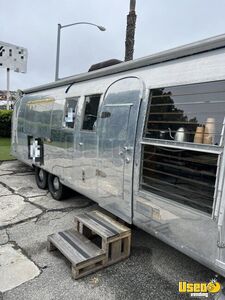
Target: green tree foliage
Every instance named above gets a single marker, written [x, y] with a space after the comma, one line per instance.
[5, 123]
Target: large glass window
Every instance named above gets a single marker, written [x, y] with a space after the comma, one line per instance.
[191, 113]
[184, 176]
[193, 117]
[90, 112]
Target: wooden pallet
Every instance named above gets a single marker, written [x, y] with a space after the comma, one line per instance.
[84, 256]
[115, 237]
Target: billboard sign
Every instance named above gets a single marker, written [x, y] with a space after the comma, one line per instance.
[13, 57]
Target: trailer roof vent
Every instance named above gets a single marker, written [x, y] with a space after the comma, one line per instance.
[104, 64]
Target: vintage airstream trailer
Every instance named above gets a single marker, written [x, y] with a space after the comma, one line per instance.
[144, 139]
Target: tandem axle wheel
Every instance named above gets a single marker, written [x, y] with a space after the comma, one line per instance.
[51, 182]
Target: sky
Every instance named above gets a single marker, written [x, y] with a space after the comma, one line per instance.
[161, 25]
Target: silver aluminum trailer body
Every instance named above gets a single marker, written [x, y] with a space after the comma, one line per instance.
[127, 165]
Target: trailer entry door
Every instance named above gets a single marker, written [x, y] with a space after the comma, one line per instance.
[117, 133]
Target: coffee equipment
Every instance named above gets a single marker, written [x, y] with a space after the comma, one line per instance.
[209, 134]
[199, 135]
[180, 135]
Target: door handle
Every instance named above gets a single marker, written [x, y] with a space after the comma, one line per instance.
[126, 148]
[127, 160]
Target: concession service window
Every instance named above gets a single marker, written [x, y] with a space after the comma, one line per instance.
[182, 143]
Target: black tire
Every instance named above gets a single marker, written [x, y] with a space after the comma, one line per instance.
[41, 177]
[59, 192]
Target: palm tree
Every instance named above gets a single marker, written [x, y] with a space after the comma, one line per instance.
[130, 34]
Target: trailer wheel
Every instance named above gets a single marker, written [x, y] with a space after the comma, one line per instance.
[56, 188]
[41, 177]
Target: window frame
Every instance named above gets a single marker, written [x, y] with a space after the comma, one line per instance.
[84, 108]
[215, 149]
[206, 146]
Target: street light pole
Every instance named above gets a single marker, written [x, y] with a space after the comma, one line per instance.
[57, 53]
[101, 28]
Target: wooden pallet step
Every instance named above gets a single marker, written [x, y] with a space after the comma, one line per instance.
[84, 256]
[104, 226]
